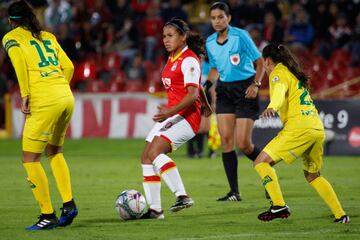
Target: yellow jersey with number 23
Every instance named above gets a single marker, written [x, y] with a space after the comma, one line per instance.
[292, 101]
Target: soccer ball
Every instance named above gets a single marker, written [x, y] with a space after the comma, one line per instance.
[130, 204]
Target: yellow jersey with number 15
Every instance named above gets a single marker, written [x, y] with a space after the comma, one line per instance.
[39, 65]
[292, 101]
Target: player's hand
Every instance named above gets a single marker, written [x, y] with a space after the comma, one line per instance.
[163, 114]
[251, 91]
[268, 113]
[25, 108]
[206, 110]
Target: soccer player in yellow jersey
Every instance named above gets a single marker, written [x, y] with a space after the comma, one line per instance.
[301, 138]
[43, 71]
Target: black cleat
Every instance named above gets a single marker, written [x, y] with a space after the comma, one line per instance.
[181, 203]
[275, 212]
[44, 223]
[343, 219]
[231, 196]
[68, 213]
[153, 214]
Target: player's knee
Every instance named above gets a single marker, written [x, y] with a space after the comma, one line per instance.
[145, 159]
[30, 157]
[311, 176]
[227, 144]
[52, 150]
[152, 154]
[263, 158]
[245, 146]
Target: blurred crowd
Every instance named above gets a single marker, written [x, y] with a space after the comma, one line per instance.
[116, 45]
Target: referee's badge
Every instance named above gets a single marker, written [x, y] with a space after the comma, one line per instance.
[235, 59]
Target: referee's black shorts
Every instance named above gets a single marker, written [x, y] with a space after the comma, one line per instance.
[230, 98]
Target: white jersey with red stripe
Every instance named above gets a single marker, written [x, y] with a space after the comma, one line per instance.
[179, 72]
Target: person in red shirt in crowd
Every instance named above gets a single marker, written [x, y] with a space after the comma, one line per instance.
[151, 28]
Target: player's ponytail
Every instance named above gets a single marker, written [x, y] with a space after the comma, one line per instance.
[194, 41]
[22, 14]
[281, 54]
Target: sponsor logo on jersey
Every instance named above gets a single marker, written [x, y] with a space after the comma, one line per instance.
[235, 59]
[46, 74]
[166, 82]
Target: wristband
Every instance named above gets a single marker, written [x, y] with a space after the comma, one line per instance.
[207, 85]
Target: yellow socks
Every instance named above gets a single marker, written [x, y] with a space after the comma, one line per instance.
[271, 183]
[326, 192]
[39, 186]
[62, 176]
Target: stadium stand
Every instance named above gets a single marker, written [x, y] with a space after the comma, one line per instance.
[106, 44]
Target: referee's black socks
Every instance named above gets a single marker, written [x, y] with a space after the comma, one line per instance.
[252, 156]
[230, 164]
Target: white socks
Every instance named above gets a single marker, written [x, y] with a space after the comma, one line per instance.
[152, 186]
[170, 174]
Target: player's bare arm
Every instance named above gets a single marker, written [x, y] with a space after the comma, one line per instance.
[253, 89]
[25, 105]
[213, 75]
[164, 113]
[205, 106]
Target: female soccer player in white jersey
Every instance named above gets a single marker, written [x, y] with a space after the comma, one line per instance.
[177, 122]
[43, 71]
[301, 138]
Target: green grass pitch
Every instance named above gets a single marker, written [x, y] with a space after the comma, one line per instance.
[101, 169]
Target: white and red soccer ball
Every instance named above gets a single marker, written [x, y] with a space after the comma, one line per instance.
[130, 204]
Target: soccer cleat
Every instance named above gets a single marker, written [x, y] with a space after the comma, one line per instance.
[181, 203]
[231, 196]
[67, 215]
[275, 212]
[343, 219]
[44, 223]
[153, 214]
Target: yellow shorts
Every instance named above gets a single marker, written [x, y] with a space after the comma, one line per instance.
[47, 124]
[305, 144]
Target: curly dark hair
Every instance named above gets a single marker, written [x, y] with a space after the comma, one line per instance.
[22, 14]
[194, 41]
